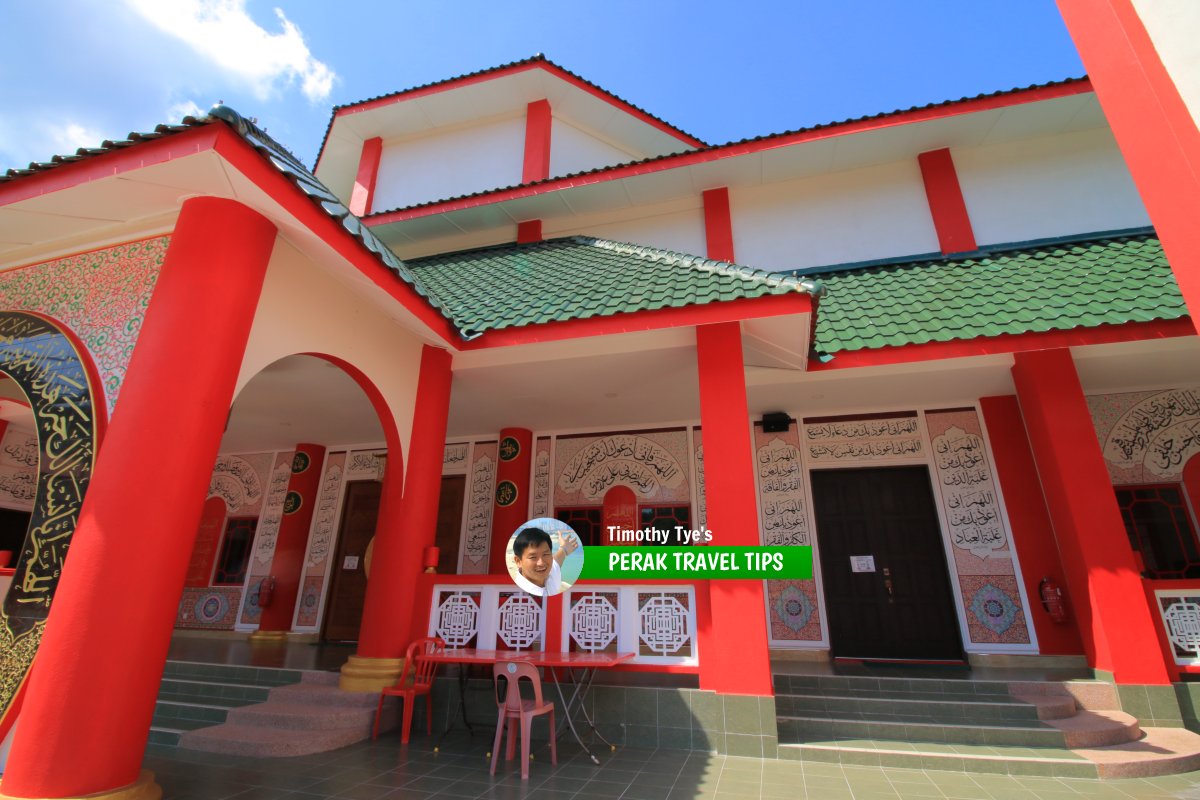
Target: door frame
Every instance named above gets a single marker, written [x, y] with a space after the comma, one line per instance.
[926, 461]
[950, 574]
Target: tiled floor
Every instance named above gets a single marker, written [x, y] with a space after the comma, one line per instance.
[371, 771]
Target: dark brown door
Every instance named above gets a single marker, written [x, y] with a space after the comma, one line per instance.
[449, 522]
[348, 587]
[898, 604]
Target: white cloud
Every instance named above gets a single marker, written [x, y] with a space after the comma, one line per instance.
[22, 143]
[184, 108]
[222, 31]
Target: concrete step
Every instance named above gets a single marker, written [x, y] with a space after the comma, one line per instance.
[263, 742]
[943, 711]
[232, 673]
[205, 691]
[998, 759]
[795, 730]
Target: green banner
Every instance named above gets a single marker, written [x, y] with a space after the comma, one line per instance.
[729, 563]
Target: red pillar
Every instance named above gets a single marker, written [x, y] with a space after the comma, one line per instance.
[1033, 535]
[404, 530]
[362, 196]
[1152, 124]
[946, 203]
[538, 124]
[510, 507]
[733, 648]
[292, 540]
[91, 695]
[1103, 584]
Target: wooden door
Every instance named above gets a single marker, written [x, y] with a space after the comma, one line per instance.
[449, 522]
[348, 586]
[898, 604]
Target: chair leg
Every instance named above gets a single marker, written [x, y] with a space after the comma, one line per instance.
[406, 732]
[553, 742]
[496, 743]
[526, 729]
[378, 714]
[429, 714]
[511, 750]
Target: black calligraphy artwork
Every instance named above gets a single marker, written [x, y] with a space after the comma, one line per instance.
[972, 509]
[634, 461]
[455, 454]
[325, 516]
[701, 499]
[44, 362]
[479, 507]
[1136, 429]
[541, 478]
[781, 494]
[864, 440]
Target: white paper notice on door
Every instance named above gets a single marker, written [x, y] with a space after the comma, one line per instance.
[862, 563]
[351, 562]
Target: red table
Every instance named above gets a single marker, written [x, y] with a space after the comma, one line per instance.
[586, 664]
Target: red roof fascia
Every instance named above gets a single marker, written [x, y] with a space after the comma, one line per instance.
[511, 69]
[1007, 343]
[105, 165]
[717, 152]
[688, 316]
[238, 152]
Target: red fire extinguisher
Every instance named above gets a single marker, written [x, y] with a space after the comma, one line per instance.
[266, 591]
[1052, 600]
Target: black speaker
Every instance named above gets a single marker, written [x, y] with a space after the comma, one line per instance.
[776, 422]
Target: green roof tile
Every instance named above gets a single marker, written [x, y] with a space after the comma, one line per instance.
[1036, 288]
[579, 277]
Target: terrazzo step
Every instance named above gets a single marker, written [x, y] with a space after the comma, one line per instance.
[944, 711]
[302, 716]
[1161, 751]
[998, 759]
[312, 716]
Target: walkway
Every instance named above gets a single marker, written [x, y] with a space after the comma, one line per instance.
[384, 769]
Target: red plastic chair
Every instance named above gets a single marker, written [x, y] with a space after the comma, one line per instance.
[422, 682]
[515, 708]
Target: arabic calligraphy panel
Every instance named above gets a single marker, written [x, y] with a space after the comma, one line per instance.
[477, 532]
[43, 361]
[1147, 437]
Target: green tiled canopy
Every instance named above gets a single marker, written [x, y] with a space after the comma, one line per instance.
[1037, 288]
[581, 277]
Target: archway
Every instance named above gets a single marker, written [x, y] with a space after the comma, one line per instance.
[55, 375]
[302, 433]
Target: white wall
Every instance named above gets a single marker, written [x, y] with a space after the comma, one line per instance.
[681, 231]
[574, 150]
[1049, 186]
[1173, 26]
[857, 215]
[449, 163]
[305, 310]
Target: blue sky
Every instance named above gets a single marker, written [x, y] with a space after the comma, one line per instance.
[73, 72]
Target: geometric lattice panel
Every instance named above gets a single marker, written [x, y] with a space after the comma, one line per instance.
[593, 622]
[519, 620]
[1181, 619]
[663, 625]
[457, 619]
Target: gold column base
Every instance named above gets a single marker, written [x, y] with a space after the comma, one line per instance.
[268, 637]
[361, 674]
[144, 788]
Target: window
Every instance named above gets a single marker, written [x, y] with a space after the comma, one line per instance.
[668, 518]
[585, 522]
[1160, 528]
[235, 552]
